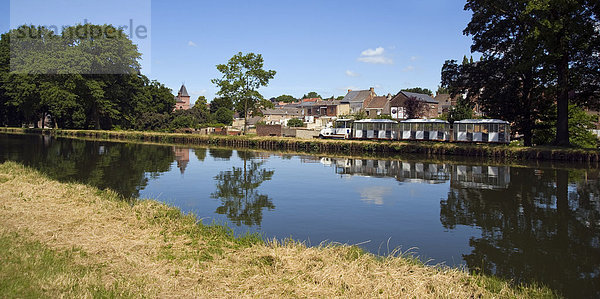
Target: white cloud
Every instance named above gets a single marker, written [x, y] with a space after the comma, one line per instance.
[350, 73]
[375, 194]
[370, 52]
[192, 44]
[414, 58]
[375, 56]
[408, 68]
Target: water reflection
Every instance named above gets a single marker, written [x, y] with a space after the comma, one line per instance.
[535, 226]
[540, 229]
[236, 189]
[182, 156]
[466, 176]
[523, 223]
[123, 167]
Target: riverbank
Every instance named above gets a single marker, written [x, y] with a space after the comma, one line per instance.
[67, 239]
[347, 147]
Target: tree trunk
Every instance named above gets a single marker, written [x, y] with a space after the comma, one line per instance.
[562, 121]
[562, 203]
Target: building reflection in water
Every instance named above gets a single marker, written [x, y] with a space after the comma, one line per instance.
[466, 176]
[182, 156]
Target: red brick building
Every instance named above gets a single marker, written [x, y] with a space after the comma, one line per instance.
[182, 100]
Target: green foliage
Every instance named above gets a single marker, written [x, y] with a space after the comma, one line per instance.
[359, 115]
[384, 116]
[462, 110]
[220, 102]
[535, 53]
[151, 121]
[311, 95]
[442, 90]
[242, 76]
[224, 116]
[183, 121]
[295, 123]
[65, 77]
[419, 90]
[580, 124]
[285, 98]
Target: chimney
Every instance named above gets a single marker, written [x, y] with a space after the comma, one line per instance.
[349, 90]
[389, 96]
[372, 89]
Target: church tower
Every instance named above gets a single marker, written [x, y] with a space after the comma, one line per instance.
[182, 100]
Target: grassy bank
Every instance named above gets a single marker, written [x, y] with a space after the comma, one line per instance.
[348, 147]
[67, 239]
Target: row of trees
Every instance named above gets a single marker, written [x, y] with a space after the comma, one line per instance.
[88, 77]
[538, 57]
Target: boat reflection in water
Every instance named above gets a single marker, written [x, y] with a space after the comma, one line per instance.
[460, 176]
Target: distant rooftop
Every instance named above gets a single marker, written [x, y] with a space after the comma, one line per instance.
[377, 103]
[357, 96]
[421, 97]
[183, 91]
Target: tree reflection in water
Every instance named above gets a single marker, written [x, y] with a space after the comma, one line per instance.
[236, 188]
[536, 230]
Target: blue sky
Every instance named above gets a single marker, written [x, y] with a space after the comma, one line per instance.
[322, 46]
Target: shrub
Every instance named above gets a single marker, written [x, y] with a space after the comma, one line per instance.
[295, 123]
[224, 116]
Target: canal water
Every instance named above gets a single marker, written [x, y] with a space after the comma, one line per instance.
[537, 223]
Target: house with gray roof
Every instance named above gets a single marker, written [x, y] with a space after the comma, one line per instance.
[359, 99]
[378, 106]
[397, 105]
[280, 116]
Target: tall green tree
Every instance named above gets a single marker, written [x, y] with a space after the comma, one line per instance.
[220, 102]
[242, 76]
[545, 44]
[87, 77]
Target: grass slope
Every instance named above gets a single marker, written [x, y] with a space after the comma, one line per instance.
[67, 239]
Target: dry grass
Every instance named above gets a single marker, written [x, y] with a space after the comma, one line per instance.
[149, 249]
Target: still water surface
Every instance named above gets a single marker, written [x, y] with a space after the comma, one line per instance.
[525, 223]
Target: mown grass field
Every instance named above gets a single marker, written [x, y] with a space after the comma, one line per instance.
[72, 240]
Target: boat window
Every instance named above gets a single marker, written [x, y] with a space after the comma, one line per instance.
[469, 128]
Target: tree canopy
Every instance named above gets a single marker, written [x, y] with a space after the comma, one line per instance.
[285, 98]
[312, 95]
[242, 76]
[81, 78]
[536, 53]
[419, 90]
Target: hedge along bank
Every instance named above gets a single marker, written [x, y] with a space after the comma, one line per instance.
[349, 147]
